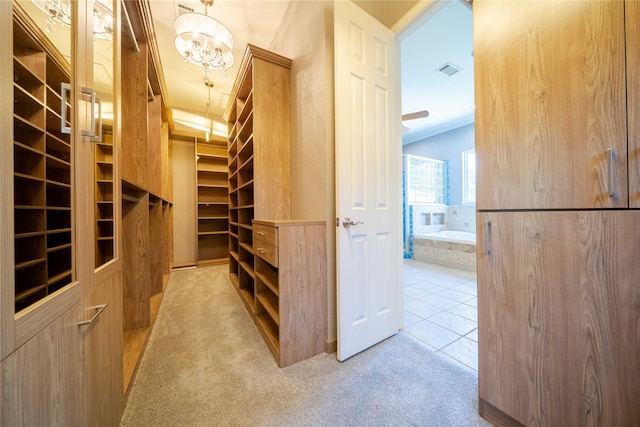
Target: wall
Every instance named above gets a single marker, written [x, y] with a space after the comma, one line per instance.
[447, 146]
[306, 36]
[184, 203]
[386, 12]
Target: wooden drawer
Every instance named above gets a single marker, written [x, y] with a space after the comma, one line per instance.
[266, 234]
[266, 251]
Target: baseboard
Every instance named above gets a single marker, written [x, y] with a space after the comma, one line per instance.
[330, 345]
[495, 416]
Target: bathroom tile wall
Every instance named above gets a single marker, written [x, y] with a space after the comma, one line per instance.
[434, 218]
[461, 218]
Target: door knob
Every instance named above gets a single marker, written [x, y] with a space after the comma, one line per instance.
[348, 222]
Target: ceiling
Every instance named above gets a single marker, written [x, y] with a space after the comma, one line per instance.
[444, 37]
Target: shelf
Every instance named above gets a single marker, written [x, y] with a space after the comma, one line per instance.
[269, 331]
[247, 299]
[270, 282]
[247, 268]
[270, 303]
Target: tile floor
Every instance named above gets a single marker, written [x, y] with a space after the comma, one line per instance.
[440, 310]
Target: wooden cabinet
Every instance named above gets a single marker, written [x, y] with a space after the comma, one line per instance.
[290, 287]
[213, 203]
[42, 177]
[556, 136]
[558, 313]
[551, 103]
[259, 158]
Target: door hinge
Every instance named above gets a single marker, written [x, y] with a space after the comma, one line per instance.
[337, 222]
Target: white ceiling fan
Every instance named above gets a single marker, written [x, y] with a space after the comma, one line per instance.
[412, 116]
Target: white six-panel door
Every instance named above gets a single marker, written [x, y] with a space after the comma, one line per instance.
[368, 189]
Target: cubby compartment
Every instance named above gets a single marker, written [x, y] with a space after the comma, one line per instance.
[212, 226]
[30, 248]
[58, 239]
[245, 195]
[27, 161]
[212, 211]
[28, 191]
[212, 195]
[214, 179]
[58, 195]
[28, 221]
[27, 134]
[58, 171]
[212, 247]
[27, 107]
[58, 219]
[58, 148]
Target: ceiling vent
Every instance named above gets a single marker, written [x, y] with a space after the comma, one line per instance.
[449, 69]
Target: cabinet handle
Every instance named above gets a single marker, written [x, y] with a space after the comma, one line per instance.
[99, 309]
[65, 90]
[261, 250]
[487, 237]
[610, 159]
[261, 233]
[92, 94]
[98, 136]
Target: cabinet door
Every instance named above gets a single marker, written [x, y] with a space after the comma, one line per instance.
[550, 104]
[103, 347]
[42, 380]
[559, 305]
[632, 27]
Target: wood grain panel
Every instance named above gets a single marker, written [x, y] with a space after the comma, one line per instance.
[134, 116]
[42, 380]
[167, 164]
[154, 146]
[135, 258]
[167, 224]
[156, 247]
[550, 101]
[302, 282]
[103, 348]
[558, 322]
[632, 27]
[7, 293]
[272, 147]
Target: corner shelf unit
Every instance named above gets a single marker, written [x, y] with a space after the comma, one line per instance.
[43, 172]
[213, 203]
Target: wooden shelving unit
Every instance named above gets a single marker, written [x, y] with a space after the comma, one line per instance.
[258, 159]
[104, 174]
[290, 284]
[43, 173]
[213, 203]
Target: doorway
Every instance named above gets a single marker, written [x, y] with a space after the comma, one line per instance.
[440, 283]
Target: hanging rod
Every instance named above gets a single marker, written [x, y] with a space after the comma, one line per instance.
[130, 27]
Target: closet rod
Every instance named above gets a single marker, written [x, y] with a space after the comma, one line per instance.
[130, 27]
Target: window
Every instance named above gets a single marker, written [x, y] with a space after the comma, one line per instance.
[469, 176]
[426, 180]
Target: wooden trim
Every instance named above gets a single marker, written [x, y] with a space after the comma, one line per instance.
[288, 222]
[35, 318]
[331, 345]
[252, 52]
[413, 18]
[495, 416]
[7, 289]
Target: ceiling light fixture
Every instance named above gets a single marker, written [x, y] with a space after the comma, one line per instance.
[59, 13]
[204, 41]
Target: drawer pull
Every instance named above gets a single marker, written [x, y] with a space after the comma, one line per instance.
[262, 233]
[261, 250]
[99, 309]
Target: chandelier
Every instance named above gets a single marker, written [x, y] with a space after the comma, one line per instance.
[204, 41]
[59, 13]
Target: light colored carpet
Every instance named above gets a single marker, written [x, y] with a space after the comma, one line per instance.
[207, 365]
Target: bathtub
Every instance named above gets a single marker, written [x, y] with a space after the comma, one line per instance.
[448, 247]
